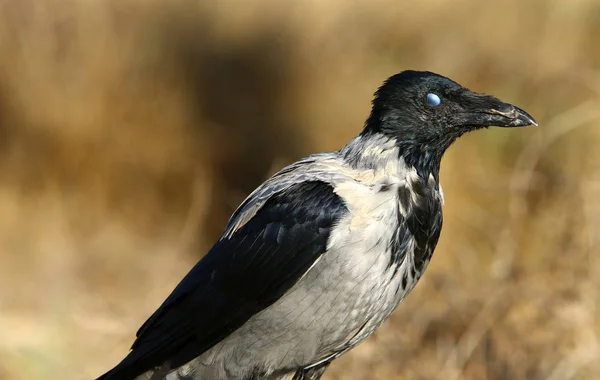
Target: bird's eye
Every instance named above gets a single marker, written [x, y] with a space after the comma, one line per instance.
[433, 100]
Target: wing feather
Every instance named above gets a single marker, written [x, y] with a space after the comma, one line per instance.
[245, 271]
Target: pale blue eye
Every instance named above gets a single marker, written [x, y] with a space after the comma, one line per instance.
[433, 100]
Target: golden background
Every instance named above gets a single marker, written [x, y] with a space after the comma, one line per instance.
[131, 129]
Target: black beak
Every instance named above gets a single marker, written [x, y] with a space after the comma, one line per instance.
[487, 111]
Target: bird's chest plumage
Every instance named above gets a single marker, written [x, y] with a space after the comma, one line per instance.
[419, 222]
[394, 219]
[381, 250]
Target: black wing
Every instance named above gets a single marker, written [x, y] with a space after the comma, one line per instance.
[240, 276]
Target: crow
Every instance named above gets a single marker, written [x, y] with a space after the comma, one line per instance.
[319, 255]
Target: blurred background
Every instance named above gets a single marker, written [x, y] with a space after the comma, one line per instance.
[131, 129]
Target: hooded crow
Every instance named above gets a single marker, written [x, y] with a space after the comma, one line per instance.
[318, 256]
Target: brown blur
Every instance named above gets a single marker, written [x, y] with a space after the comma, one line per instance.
[131, 129]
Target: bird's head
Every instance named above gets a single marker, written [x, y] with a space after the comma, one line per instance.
[425, 112]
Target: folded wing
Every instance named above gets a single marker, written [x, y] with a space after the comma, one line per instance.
[247, 270]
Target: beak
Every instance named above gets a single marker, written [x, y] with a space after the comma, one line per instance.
[487, 111]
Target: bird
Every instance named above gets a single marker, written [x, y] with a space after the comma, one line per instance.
[317, 257]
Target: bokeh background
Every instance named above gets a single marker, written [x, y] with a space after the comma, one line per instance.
[131, 129]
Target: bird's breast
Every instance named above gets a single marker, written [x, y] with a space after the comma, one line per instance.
[399, 217]
[386, 241]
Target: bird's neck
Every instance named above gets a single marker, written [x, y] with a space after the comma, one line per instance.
[425, 159]
[374, 151]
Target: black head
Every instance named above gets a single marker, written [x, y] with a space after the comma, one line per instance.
[425, 112]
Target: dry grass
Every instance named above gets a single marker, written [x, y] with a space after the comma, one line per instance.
[130, 129]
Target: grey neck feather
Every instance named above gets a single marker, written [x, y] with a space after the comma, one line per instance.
[370, 151]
